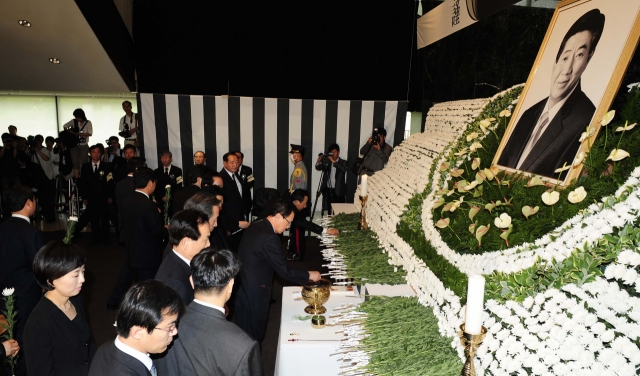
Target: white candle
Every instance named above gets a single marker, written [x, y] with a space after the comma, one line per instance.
[475, 305]
[363, 186]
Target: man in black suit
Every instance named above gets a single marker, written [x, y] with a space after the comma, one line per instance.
[218, 237]
[19, 243]
[334, 186]
[234, 209]
[261, 254]
[146, 323]
[188, 234]
[120, 169]
[300, 224]
[143, 233]
[194, 352]
[96, 188]
[547, 134]
[125, 187]
[195, 175]
[246, 176]
[167, 174]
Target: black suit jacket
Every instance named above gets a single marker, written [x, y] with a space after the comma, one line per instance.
[175, 272]
[245, 172]
[559, 142]
[53, 344]
[260, 253]
[99, 185]
[110, 361]
[164, 180]
[183, 195]
[19, 243]
[120, 168]
[208, 344]
[124, 188]
[234, 204]
[142, 231]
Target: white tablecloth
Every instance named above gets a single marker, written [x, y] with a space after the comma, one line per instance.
[308, 358]
[344, 208]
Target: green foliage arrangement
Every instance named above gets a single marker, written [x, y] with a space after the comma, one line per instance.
[601, 178]
[581, 267]
[366, 261]
[404, 339]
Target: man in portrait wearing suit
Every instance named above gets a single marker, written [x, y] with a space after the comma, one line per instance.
[234, 205]
[194, 352]
[167, 174]
[96, 188]
[19, 243]
[146, 323]
[188, 234]
[548, 133]
[246, 176]
[195, 175]
[261, 254]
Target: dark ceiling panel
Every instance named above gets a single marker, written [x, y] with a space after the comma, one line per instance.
[294, 49]
[109, 28]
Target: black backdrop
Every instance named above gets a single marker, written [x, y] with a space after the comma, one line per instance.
[349, 50]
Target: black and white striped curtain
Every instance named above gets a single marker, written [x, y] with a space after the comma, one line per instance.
[263, 128]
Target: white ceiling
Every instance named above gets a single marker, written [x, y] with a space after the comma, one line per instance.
[58, 30]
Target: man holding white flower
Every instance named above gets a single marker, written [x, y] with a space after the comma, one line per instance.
[19, 243]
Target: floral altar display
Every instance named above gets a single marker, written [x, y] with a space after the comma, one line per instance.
[561, 266]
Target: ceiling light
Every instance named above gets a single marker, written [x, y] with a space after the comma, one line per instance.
[53, 60]
[24, 23]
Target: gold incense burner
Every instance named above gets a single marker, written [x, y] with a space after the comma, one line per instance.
[316, 294]
[471, 342]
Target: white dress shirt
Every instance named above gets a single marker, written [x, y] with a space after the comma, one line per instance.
[552, 113]
[21, 216]
[144, 358]
[221, 309]
[235, 178]
[182, 257]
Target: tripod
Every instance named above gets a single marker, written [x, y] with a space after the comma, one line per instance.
[319, 193]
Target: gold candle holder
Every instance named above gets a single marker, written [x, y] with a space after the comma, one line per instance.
[362, 225]
[471, 342]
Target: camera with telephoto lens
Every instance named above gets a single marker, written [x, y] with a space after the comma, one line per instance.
[126, 133]
[375, 137]
[325, 161]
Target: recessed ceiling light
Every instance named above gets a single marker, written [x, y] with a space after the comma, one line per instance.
[53, 60]
[24, 23]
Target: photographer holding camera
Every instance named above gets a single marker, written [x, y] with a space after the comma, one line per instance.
[82, 128]
[129, 126]
[334, 184]
[113, 150]
[376, 152]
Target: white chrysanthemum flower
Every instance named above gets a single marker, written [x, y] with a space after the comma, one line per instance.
[8, 291]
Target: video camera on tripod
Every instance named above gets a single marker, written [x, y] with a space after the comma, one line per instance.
[325, 161]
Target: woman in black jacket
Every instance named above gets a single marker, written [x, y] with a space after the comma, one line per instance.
[57, 338]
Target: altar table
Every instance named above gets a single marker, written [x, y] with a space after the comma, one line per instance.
[314, 357]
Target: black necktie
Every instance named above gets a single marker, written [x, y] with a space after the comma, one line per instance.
[95, 168]
[166, 171]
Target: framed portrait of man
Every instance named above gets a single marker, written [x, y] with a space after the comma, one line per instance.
[575, 77]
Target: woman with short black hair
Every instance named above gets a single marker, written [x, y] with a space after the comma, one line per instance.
[57, 340]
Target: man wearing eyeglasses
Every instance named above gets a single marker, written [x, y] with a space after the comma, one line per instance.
[260, 254]
[146, 323]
